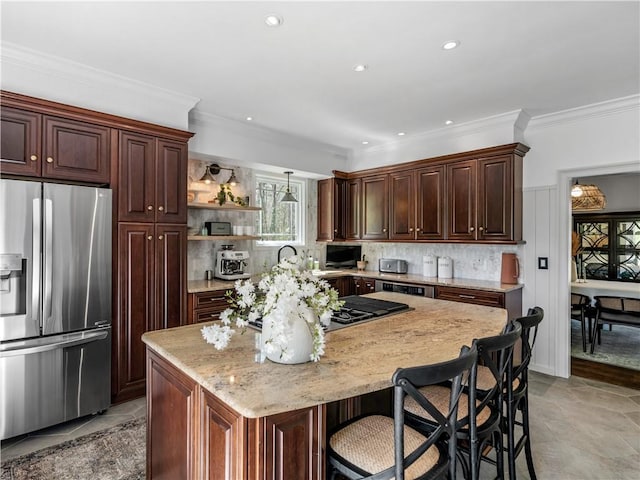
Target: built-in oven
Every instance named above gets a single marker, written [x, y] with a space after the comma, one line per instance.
[406, 288]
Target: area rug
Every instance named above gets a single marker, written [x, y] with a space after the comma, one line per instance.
[620, 346]
[116, 453]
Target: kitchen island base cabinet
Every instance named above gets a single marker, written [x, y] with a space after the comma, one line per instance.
[191, 434]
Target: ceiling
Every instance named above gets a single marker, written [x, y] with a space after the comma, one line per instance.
[298, 78]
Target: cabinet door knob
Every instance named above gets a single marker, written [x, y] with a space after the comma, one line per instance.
[160, 237]
[49, 159]
[149, 207]
[335, 231]
[33, 158]
[160, 208]
[411, 230]
[472, 229]
[418, 229]
[384, 230]
[150, 237]
[481, 229]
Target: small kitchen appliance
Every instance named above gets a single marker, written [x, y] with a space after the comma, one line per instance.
[231, 264]
[218, 228]
[392, 265]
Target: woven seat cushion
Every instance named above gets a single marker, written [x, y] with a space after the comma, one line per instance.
[485, 379]
[368, 444]
[439, 396]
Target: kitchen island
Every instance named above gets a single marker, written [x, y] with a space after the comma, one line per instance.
[222, 414]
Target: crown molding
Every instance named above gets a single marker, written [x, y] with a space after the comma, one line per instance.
[579, 114]
[74, 73]
[257, 132]
[514, 121]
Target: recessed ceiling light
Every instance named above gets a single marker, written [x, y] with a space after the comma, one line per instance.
[249, 119]
[448, 122]
[450, 45]
[364, 142]
[401, 134]
[361, 67]
[273, 20]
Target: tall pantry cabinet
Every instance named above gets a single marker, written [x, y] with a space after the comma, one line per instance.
[151, 249]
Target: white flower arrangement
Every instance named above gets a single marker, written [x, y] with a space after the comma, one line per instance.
[285, 291]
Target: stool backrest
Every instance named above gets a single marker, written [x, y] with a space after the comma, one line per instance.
[578, 300]
[406, 383]
[529, 324]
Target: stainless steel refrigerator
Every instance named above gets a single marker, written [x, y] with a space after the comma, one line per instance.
[55, 303]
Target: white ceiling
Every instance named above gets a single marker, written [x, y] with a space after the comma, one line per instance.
[538, 56]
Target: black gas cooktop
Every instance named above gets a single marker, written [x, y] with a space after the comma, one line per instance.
[357, 309]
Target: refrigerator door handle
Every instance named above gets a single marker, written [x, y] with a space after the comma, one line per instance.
[35, 261]
[69, 340]
[48, 261]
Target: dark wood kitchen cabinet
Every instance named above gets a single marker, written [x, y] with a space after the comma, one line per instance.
[151, 295]
[353, 207]
[344, 285]
[430, 205]
[206, 306]
[362, 286]
[485, 199]
[152, 181]
[375, 207]
[402, 205]
[331, 209]
[47, 146]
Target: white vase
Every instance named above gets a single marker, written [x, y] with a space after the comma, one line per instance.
[574, 270]
[299, 339]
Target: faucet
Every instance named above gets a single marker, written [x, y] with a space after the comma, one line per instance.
[295, 252]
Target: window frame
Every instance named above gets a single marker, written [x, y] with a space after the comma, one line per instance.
[301, 223]
[612, 249]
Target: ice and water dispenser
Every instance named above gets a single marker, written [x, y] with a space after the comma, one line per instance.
[13, 284]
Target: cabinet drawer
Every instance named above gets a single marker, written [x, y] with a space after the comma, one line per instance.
[205, 300]
[478, 297]
[207, 315]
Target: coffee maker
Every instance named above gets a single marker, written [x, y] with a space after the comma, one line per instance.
[231, 264]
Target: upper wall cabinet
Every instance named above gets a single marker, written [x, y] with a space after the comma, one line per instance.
[152, 179]
[53, 147]
[375, 207]
[331, 214]
[467, 197]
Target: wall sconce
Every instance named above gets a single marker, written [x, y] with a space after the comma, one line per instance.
[288, 196]
[214, 169]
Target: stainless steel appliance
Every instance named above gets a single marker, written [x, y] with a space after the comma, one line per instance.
[218, 228]
[406, 288]
[55, 297]
[392, 265]
[231, 264]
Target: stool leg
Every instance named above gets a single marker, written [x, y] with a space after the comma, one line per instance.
[511, 445]
[584, 338]
[527, 442]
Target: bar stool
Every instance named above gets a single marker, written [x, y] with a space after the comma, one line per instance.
[480, 411]
[518, 394]
[380, 447]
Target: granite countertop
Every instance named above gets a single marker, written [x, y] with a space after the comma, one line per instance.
[198, 286]
[359, 359]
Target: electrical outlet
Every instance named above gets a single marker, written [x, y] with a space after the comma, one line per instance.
[543, 263]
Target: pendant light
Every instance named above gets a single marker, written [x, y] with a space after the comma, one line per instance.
[288, 196]
[587, 198]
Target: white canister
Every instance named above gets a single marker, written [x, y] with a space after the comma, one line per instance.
[430, 266]
[445, 267]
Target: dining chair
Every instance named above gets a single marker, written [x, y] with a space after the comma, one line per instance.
[614, 311]
[579, 305]
[380, 447]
